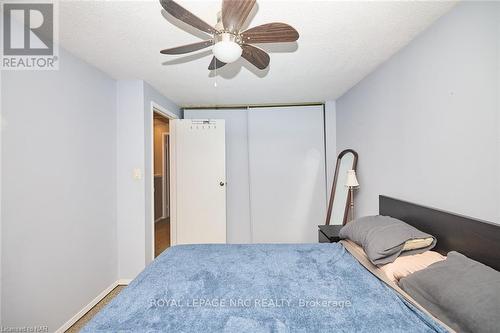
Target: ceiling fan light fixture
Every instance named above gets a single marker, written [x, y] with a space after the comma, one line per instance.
[230, 40]
[227, 49]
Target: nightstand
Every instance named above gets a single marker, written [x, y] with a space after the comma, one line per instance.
[329, 233]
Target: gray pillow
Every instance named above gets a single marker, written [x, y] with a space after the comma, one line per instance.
[383, 237]
[459, 291]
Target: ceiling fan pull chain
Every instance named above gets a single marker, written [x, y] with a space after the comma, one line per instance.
[215, 78]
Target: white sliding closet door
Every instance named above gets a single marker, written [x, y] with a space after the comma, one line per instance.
[238, 196]
[287, 173]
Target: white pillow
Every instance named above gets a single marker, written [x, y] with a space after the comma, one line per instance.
[414, 244]
[406, 265]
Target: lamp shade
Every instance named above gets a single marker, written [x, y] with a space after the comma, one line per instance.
[351, 181]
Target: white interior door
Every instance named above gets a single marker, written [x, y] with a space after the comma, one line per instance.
[198, 181]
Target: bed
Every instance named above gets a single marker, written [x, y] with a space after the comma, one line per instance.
[275, 288]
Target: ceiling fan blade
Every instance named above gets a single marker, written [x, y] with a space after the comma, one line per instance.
[188, 48]
[215, 64]
[270, 33]
[186, 16]
[235, 12]
[257, 57]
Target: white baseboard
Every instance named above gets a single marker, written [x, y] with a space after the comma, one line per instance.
[123, 282]
[82, 312]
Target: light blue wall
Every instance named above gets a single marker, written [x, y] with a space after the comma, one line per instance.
[74, 220]
[153, 95]
[58, 191]
[426, 123]
[130, 192]
[330, 143]
[135, 234]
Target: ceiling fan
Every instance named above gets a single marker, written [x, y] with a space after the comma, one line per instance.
[229, 43]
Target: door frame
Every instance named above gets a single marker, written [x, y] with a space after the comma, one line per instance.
[166, 170]
[155, 108]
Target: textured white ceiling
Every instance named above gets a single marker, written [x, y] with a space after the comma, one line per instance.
[340, 43]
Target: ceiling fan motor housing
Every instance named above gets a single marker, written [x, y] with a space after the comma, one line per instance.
[228, 37]
[219, 26]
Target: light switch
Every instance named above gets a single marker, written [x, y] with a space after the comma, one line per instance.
[137, 174]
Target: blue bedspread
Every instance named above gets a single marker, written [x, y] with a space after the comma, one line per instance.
[259, 288]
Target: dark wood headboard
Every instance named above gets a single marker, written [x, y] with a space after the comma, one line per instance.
[478, 240]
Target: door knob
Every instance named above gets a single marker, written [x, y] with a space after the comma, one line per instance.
[222, 183]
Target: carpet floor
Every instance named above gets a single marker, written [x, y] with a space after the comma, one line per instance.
[92, 312]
